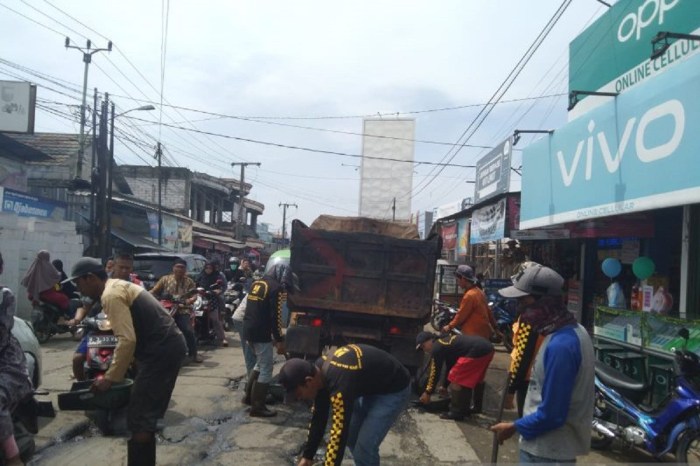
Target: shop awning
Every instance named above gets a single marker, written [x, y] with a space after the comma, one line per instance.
[218, 239]
[136, 241]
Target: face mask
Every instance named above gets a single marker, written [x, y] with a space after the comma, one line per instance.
[234, 267]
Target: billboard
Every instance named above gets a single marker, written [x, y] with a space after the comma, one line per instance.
[635, 153]
[612, 55]
[26, 205]
[17, 102]
[488, 223]
[493, 172]
[386, 173]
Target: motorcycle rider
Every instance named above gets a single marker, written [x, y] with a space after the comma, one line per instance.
[211, 281]
[14, 378]
[179, 284]
[474, 316]
[556, 426]
[466, 359]
[42, 282]
[144, 333]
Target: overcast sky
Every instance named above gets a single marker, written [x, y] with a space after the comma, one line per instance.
[306, 72]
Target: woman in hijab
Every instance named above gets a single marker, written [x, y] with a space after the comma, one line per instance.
[14, 378]
[42, 282]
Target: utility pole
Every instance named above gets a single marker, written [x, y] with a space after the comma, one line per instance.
[393, 210]
[241, 198]
[102, 173]
[284, 220]
[87, 58]
[159, 153]
[110, 179]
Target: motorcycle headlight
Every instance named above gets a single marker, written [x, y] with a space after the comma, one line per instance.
[104, 325]
[197, 303]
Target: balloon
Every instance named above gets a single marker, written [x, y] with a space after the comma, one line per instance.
[643, 267]
[611, 267]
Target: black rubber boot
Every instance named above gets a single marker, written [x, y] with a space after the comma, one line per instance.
[459, 404]
[140, 453]
[257, 399]
[252, 378]
[478, 405]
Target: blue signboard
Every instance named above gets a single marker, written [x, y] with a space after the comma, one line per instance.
[26, 205]
[637, 152]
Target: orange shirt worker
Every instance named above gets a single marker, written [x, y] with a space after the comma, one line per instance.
[473, 317]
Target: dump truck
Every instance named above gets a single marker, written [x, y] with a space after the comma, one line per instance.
[360, 280]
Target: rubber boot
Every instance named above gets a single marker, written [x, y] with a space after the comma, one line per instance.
[257, 399]
[252, 378]
[459, 404]
[140, 453]
[478, 405]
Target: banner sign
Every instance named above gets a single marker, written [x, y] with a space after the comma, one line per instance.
[176, 233]
[449, 236]
[637, 152]
[488, 223]
[462, 236]
[26, 205]
[612, 55]
[493, 172]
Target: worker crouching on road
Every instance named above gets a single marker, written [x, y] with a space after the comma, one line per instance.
[466, 359]
[366, 389]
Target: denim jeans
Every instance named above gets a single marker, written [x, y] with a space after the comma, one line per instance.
[372, 417]
[529, 458]
[248, 353]
[263, 360]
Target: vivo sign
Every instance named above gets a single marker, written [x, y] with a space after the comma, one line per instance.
[650, 14]
[636, 152]
[646, 152]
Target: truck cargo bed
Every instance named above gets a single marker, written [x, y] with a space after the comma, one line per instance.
[358, 272]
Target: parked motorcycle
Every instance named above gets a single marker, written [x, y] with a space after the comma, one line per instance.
[672, 427]
[45, 321]
[504, 312]
[441, 315]
[101, 344]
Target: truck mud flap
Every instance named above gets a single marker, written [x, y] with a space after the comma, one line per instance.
[303, 340]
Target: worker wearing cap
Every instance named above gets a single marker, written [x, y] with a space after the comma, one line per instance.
[473, 316]
[556, 422]
[466, 359]
[146, 332]
[365, 388]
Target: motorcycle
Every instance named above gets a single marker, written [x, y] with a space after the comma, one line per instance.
[109, 413]
[504, 313]
[45, 321]
[233, 296]
[673, 426]
[441, 315]
[207, 301]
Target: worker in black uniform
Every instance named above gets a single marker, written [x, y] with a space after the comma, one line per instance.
[466, 359]
[365, 388]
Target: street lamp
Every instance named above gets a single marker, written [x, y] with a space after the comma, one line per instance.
[109, 172]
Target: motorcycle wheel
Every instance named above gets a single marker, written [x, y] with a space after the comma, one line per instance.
[598, 440]
[688, 449]
[41, 329]
[507, 331]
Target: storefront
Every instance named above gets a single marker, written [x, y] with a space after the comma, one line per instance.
[622, 178]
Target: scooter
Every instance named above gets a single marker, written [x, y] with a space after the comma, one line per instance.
[233, 296]
[504, 313]
[101, 344]
[205, 303]
[673, 427]
[441, 315]
[45, 321]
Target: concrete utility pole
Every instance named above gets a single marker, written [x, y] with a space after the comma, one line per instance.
[241, 198]
[103, 158]
[87, 59]
[284, 219]
[159, 153]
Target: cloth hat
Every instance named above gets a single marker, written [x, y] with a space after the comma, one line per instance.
[294, 373]
[422, 337]
[466, 272]
[534, 280]
[84, 266]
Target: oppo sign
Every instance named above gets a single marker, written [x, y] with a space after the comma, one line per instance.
[651, 12]
[670, 109]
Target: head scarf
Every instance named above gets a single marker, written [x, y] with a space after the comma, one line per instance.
[548, 314]
[41, 275]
